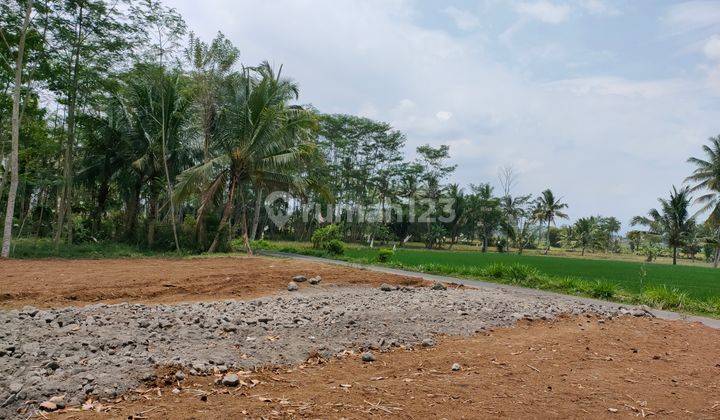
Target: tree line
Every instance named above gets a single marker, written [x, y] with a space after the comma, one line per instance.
[118, 124]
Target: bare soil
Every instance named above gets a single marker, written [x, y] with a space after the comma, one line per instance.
[58, 283]
[571, 368]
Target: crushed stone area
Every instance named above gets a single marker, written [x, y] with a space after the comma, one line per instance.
[105, 350]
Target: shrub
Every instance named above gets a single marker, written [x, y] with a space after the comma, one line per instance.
[603, 290]
[322, 236]
[258, 244]
[384, 254]
[494, 270]
[335, 247]
[521, 273]
[662, 297]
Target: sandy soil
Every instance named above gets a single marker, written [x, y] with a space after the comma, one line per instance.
[57, 283]
[576, 367]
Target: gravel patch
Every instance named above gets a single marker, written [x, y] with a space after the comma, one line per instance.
[106, 350]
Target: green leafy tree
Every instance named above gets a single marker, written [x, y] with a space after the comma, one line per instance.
[672, 221]
[706, 178]
[262, 138]
[550, 208]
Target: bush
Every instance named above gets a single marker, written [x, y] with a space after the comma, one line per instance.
[259, 244]
[521, 273]
[603, 290]
[384, 254]
[322, 236]
[494, 270]
[335, 247]
[662, 297]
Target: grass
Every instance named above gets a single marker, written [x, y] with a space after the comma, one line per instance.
[44, 248]
[685, 288]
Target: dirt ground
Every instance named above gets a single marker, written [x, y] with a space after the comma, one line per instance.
[575, 367]
[57, 283]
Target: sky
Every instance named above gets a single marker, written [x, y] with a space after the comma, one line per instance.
[601, 101]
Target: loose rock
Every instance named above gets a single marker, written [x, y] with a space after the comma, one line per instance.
[428, 342]
[299, 279]
[48, 406]
[180, 375]
[455, 367]
[292, 286]
[387, 288]
[315, 280]
[368, 357]
[438, 286]
[230, 379]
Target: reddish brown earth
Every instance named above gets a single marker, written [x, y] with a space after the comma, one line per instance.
[575, 367]
[57, 283]
[571, 368]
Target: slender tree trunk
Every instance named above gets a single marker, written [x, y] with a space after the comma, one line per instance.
[131, 214]
[227, 211]
[65, 205]
[548, 237]
[674, 255]
[167, 171]
[717, 257]
[256, 214]
[98, 211]
[246, 239]
[152, 218]
[15, 136]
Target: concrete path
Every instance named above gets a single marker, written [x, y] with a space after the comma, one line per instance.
[668, 315]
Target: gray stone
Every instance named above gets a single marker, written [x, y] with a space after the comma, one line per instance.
[428, 342]
[455, 367]
[315, 280]
[299, 279]
[230, 379]
[292, 286]
[180, 375]
[438, 286]
[387, 287]
[368, 357]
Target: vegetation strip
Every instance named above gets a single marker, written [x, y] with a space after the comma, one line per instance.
[658, 296]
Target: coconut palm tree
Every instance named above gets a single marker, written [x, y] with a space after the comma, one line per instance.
[706, 177]
[672, 221]
[549, 209]
[156, 104]
[585, 232]
[262, 138]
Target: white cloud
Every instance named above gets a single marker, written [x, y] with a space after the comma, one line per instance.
[712, 48]
[583, 136]
[463, 19]
[599, 7]
[544, 11]
[443, 115]
[692, 15]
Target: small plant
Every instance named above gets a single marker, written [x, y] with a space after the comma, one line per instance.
[258, 244]
[663, 297]
[603, 289]
[494, 270]
[335, 247]
[322, 236]
[384, 254]
[521, 273]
